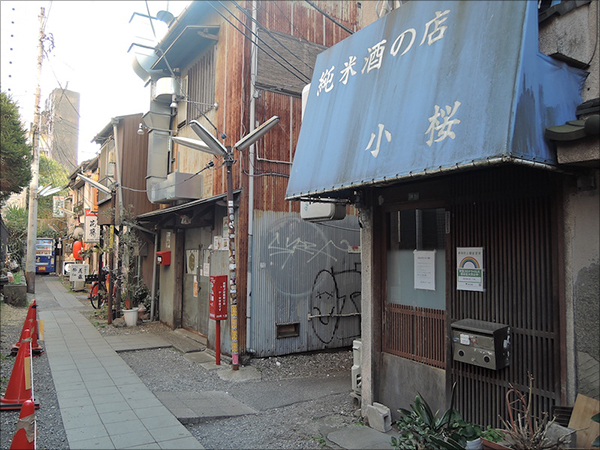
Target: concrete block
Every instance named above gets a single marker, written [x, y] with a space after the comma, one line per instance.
[379, 417]
[356, 378]
[15, 295]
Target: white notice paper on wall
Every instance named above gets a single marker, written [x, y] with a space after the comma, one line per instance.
[424, 262]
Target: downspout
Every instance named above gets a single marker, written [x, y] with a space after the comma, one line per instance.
[153, 291]
[253, 93]
[115, 122]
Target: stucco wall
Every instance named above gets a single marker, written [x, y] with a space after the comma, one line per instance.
[582, 286]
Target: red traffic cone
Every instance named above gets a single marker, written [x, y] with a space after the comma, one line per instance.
[24, 438]
[20, 385]
[32, 326]
[36, 349]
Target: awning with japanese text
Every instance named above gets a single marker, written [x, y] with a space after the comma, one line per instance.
[431, 87]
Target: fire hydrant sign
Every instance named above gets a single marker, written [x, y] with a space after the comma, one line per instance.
[470, 269]
[218, 297]
[77, 272]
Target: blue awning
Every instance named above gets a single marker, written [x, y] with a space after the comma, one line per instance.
[431, 87]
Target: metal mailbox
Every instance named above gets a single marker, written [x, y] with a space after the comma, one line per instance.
[163, 258]
[484, 344]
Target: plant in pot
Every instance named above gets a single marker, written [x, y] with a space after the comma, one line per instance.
[421, 428]
[132, 288]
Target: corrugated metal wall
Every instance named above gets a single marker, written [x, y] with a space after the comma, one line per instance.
[302, 268]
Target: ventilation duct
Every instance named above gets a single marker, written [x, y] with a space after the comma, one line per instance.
[141, 65]
[165, 88]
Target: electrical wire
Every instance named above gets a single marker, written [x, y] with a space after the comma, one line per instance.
[329, 17]
[266, 30]
[264, 42]
[267, 53]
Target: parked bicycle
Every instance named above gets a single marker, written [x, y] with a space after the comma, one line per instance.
[99, 291]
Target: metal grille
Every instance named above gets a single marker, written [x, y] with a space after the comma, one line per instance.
[201, 84]
[415, 333]
[515, 230]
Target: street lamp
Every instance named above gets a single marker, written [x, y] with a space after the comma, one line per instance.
[209, 144]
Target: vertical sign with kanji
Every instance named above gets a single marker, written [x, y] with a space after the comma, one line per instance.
[92, 229]
[58, 206]
[218, 297]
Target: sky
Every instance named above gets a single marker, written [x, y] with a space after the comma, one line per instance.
[90, 56]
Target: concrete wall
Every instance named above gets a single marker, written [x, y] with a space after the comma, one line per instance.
[573, 37]
[582, 285]
[166, 304]
[401, 379]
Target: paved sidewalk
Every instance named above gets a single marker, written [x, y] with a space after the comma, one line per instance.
[103, 403]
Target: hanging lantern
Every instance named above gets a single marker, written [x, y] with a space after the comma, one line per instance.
[77, 247]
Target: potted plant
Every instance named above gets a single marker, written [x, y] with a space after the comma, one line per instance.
[420, 428]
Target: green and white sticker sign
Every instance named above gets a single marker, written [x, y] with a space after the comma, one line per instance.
[470, 268]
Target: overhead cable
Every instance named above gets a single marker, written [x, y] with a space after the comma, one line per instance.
[329, 17]
[262, 27]
[267, 53]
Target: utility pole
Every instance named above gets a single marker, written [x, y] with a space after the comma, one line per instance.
[35, 169]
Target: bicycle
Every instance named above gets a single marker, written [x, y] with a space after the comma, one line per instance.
[98, 295]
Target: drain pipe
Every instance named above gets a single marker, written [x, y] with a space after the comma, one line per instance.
[115, 123]
[153, 291]
[253, 94]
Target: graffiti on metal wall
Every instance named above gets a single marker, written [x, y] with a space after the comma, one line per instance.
[291, 247]
[334, 299]
[293, 251]
[310, 273]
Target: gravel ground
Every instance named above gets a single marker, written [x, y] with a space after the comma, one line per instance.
[51, 434]
[299, 426]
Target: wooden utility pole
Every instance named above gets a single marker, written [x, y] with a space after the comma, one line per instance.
[35, 169]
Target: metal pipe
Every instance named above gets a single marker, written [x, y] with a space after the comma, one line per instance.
[253, 72]
[115, 122]
[333, 315]
[153, 294]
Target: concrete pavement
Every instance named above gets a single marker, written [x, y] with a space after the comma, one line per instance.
[105, 405]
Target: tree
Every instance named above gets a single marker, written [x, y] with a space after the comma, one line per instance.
[15, 153]
[15, 220]
[54, 174]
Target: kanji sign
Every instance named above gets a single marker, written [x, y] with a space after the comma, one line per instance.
[218, 297]
[77, 272]
[92, 229]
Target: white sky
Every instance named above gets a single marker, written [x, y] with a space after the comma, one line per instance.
[91, 39]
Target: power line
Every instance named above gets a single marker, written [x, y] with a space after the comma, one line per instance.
[329, 17]
[266, 52]
[271, 35]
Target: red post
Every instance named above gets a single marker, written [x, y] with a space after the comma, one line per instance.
[218, 343]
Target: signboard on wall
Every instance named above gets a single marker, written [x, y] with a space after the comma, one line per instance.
[424, 263]
[469, 270]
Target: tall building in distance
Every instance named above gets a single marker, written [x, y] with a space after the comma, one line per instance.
[59, 132]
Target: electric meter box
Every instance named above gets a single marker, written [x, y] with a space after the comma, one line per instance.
[484, 344]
